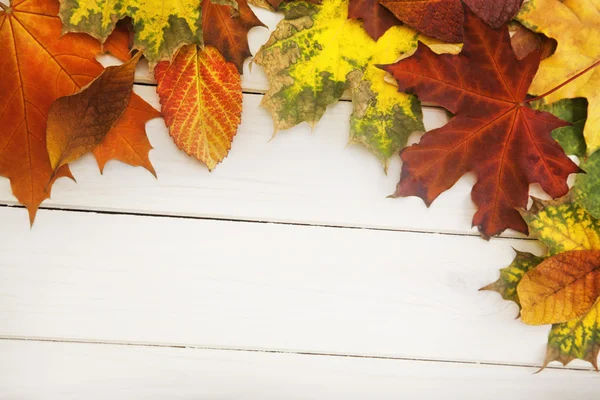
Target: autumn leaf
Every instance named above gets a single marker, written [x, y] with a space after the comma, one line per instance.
[495, 13]
[127, 140]
[576, 339]
[79, 122]
[570, 233]
[227, 33]
[316, 53]
[376, 18]
[510, 276]
[561, 288]
[157, 35]
[443, 19]
[586, 190]
[57, 65]
[201, 98]
[494, 133]
[37, 67]
[575, 24]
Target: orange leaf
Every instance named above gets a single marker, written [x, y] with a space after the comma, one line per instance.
[201, 97]
[37, 66]
[79, 122]
[127, 141]
[561, 288]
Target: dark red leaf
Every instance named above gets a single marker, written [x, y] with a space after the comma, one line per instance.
[494, 133]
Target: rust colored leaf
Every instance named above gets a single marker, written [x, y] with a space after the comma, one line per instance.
[228, 30]
[441, 19]
[201, 97]
[127, 140]
[494, 133]
[561, 288]
[495, 12]
[79, 122]
[376, 18]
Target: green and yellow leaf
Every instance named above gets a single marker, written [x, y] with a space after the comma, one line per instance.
[316, 54]
[510, 276]
[586, 190]
[576, 339]
[563, 226]
[571, 110]
[161, 27]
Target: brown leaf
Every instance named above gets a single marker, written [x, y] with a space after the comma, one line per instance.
[228, 32]
[376, 18]
[78, 123]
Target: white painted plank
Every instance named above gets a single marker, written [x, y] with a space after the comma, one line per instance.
[60, 371]
[247, 285]
[296, 177]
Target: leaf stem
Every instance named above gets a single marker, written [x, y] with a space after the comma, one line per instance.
[594, 65]
[3, 6]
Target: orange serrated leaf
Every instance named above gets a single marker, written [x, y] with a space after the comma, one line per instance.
[201, 97]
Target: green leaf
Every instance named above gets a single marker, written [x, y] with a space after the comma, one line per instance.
[571, 110]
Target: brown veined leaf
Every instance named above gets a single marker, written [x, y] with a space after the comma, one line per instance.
[376, 18]
[127, 140]
[494, 133]
[227, 29]
[78, 123]
[201, 98]
[561, 288]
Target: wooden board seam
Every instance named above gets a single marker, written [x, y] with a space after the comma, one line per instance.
[250, 221]
[282, 351]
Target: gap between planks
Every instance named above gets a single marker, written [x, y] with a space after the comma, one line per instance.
[283, 351]
[250, 221]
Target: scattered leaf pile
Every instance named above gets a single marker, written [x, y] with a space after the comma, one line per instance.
[522, 109]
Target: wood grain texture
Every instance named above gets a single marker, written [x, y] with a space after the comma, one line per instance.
[248, 285]
[69, 371]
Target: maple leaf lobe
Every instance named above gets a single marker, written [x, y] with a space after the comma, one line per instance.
[494, 133]
[376, 18]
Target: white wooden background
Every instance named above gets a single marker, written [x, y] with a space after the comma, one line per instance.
[284, 274]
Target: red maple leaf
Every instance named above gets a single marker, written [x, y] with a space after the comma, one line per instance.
[494, 132]
[376, 18]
